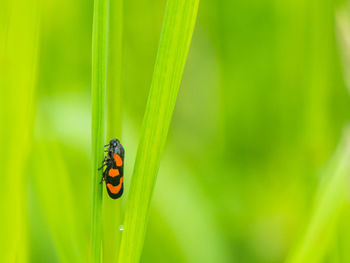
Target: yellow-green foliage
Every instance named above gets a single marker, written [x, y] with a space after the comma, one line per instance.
[18, 64]
[252, 157]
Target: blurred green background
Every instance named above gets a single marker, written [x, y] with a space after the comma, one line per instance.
[262, 108]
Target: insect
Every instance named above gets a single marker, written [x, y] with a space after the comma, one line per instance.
[113, 174]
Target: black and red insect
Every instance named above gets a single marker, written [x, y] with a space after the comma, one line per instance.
[113, 174]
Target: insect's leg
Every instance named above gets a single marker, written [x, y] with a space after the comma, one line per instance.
[103, 178]
[103, 163]
[102, 166]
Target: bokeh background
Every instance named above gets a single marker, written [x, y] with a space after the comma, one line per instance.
[261, 111]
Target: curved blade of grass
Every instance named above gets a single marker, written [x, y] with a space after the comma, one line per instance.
[99, 81]
[62, 222]
[179, 21]
[112, 208]
[330, 199]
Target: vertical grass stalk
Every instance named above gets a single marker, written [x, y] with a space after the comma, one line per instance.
[114, 107]
[112, 208]
[99, 82]
[179, 21]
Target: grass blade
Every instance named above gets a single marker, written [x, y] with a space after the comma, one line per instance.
[114, 107]
[62, 222]
[99, 82]
[112, 208]
[330, 200]
[179, 21]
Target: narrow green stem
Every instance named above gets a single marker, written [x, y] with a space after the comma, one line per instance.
[114, 103]
[179, 21]
[112, 208]
[99, 80]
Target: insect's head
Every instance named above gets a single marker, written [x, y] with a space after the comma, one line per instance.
[114, 143]
[115, 146]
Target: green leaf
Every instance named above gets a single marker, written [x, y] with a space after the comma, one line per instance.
[99, 82]
[179, 21]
